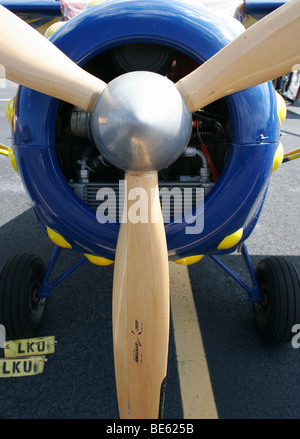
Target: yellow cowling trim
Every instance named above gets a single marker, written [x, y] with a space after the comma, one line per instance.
[98, 260]
[231, 240]
[8, 152]
[281, 108]
[94, 3]
[53, 28]
[189, 260]
[10, 110]
[278, 157]
[57, 239]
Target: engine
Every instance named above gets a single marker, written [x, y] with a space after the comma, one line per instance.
[199, 167]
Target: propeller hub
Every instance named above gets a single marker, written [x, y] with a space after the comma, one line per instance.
[140, 122]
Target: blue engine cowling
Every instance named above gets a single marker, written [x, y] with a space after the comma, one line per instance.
[237, 197]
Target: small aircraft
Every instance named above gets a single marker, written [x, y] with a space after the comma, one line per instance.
[147, 132]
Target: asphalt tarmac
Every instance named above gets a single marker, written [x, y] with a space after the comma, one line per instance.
[248, 379]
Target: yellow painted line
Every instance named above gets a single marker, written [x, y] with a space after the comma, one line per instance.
[196, 391]
[32, 20]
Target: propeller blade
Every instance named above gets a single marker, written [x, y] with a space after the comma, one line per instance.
[31, 60]
[268, 49]
[141, 303]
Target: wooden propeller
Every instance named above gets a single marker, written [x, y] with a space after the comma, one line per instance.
[267, 50]
[31, 60]
[141, 281]
[141, 307]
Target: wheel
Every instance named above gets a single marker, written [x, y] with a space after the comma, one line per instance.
[21, 312]
[280, 286]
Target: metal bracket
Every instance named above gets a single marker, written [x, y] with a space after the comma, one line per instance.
[46, 287]
[293, 155]
[254, 291]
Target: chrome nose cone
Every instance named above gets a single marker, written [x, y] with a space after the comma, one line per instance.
[140, 122]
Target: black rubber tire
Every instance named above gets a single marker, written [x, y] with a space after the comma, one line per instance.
[20, 311]
[280, 285]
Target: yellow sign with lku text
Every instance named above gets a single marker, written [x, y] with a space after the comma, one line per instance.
[29, 347]
[20, 367]
[25, 357]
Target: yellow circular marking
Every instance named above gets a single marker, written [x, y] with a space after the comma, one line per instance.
[10, 110]
[231, 240]
[94, 3]
[57, 239]
[98, 260]
[278, 158]
[189, 260]
[53, 28]
[281, 108]
[12, 160]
